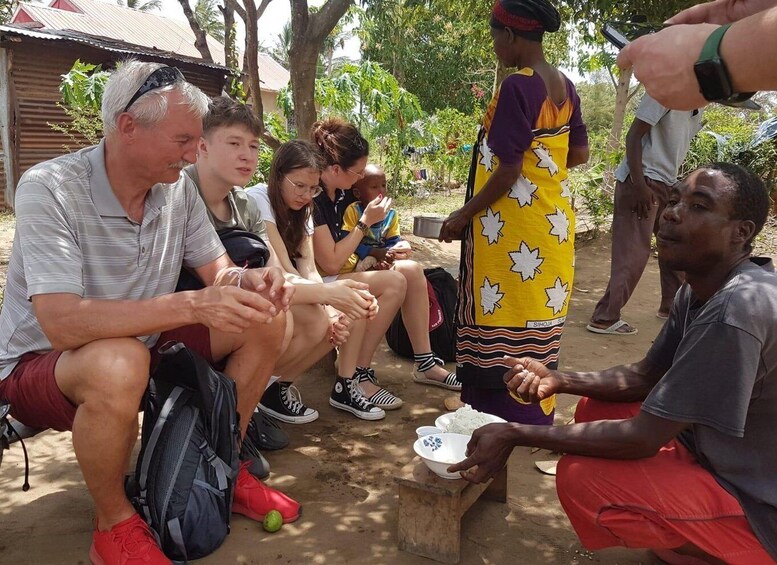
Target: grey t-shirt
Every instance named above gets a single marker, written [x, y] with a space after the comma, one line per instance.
[721, 361]
[244, 213]
[73, 236]
[665, 146]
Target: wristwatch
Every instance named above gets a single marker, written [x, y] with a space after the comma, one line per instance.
[712, 74]
[364, 228]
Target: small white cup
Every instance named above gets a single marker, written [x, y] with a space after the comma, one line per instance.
[427, 431]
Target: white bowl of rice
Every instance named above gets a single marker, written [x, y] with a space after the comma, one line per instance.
[440, 451]
[465, 420]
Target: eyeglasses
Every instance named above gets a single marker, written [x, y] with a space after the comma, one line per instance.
[360, 175]
[163, 76]
[303, 189]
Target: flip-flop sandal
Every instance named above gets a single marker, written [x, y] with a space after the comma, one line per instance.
[613, 329]
[546, 467]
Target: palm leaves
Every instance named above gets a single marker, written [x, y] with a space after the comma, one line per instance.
[209, 18]
[141, 6]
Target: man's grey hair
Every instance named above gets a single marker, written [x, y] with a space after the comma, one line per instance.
[150, 108]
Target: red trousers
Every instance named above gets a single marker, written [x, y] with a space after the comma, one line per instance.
[661, 502]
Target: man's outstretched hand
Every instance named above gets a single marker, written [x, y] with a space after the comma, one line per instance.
[487, 453]
[530, 380]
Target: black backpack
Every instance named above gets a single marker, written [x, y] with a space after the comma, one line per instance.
[245, 248]
[442, 338]
[188, 462]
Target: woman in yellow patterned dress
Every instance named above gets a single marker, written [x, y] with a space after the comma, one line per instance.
[517, 225]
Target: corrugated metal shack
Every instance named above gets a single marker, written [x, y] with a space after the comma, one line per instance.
[31, 64]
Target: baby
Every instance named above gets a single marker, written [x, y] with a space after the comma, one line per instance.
[382, 244]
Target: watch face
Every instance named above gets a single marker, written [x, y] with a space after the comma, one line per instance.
[713, 80]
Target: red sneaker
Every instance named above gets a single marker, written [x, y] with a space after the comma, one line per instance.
[254, 499]
[130, 542]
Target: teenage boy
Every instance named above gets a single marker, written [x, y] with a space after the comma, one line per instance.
[227, 159]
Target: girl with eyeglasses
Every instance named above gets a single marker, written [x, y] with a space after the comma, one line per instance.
[345, 152]
[286, 203]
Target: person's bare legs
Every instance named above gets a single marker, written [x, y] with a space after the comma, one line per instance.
[415, 313]
[106, 379]
[348, 353]
[251, 357]
[309, 341]
[388, 287]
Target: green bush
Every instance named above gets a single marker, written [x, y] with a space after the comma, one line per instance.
[82, 92]
[727, 136]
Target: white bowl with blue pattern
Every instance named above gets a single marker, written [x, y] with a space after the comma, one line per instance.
[440, 451]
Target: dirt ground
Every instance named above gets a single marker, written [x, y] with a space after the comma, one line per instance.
[342, 469]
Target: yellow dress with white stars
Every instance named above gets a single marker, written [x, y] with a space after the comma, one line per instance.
[517, 262]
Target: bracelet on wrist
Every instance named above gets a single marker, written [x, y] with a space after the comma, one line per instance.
[364, 228]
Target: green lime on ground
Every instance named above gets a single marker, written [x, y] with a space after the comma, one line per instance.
[272, 521]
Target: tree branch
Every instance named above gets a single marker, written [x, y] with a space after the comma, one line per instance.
[200, 38]
[237, 8]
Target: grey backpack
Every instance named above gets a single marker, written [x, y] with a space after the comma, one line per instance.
[188, 462]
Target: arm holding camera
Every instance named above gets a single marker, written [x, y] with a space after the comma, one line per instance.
[665, 61]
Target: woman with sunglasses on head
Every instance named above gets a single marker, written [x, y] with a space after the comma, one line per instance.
[345, 152]
[286, 204]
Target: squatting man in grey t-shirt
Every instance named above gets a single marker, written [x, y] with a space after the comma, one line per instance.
[101, 236]
[674, 452]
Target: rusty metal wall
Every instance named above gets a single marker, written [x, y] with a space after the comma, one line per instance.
[36, 75]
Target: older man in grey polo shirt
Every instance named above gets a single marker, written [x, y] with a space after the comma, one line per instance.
[101, 237]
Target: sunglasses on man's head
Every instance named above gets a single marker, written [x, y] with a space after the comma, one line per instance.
[163, 76]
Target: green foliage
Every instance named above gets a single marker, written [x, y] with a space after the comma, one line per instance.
[450, 132]
[587, 16]
[141, 6]
[591, 192]
[439, 50]
[366, 95]
[83, 86]
[210, 20]
[727, 136]
[7, 8]
[276, 127]
[82, 93]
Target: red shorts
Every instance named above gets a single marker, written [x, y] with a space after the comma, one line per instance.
[36, 400]
[660, 502]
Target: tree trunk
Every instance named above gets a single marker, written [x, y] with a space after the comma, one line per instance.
[621, 100]
[200, 41]
[303, 63]
[251, 17]
[308, 32]
[230, 37]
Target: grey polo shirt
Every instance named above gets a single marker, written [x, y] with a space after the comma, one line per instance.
[73, 236]
[666, 145]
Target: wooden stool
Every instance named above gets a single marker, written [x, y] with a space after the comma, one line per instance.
[430, 509]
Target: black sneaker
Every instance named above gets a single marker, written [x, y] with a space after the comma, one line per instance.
[346, 395]
[259, 467]
[266, 432]
[283, 402]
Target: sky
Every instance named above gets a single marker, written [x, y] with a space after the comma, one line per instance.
[276, 15]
